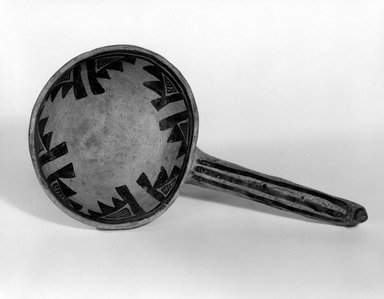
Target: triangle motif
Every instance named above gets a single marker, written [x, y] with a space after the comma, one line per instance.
[169, 87]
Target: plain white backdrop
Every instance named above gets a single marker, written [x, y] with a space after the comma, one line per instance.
[290, 88]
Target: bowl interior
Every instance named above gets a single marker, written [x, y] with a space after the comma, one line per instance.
[112, 136]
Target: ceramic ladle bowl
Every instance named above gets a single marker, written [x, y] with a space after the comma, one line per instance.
[113, 137]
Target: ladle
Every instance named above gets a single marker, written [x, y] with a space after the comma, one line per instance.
[113, 138]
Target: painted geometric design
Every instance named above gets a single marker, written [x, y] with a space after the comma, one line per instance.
[179, 134]
[44, 143]
[64, 192]
[163, 87]
[169, 87]
[97, 68]
[179, 125]
[61, 190]
[70, 79]
[65, 77]
[102, 62]
[169, 94]
[121, 208]
[48, 154]
[45, 139]
[163, 184]
[124, 206]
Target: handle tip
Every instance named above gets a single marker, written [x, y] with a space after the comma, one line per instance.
[360, 216]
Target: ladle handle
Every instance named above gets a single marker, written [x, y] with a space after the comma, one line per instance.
[213, 173]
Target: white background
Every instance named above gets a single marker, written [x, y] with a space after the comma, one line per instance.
[289, 88]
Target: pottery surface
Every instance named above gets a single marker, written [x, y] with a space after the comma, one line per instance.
[112, 135]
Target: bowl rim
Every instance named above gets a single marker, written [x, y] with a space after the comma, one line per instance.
[41, 97]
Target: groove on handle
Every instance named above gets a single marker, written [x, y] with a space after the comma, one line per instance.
[213, 173]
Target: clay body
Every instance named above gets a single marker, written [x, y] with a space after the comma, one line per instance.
[113, 136]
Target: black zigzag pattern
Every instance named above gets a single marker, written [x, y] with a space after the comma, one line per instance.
[48, 154]
[70, 79]
[178, 122]
[121, 208]
[163, 184]
[179, 125]
[97, 68]
[163, 87]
